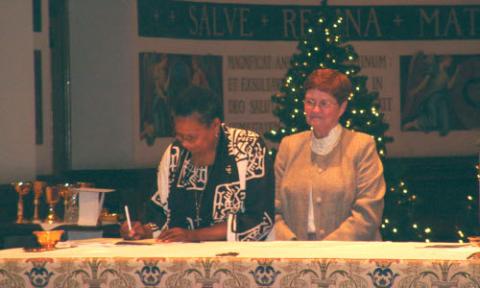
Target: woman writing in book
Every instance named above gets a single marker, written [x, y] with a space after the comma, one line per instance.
[210, 175]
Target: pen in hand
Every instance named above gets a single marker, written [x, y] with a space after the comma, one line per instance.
[129, 222]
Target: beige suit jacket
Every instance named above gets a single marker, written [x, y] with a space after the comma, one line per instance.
[347, 187]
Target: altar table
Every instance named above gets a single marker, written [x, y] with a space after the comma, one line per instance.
[103, 263]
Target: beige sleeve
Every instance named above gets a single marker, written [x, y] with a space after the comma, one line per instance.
[281, 229]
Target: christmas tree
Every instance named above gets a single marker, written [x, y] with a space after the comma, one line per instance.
[324, 47]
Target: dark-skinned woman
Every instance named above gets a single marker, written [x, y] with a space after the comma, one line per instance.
[210, 176]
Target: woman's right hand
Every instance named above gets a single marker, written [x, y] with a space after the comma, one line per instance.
[137, 232]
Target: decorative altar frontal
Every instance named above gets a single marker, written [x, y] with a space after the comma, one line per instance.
[103, 263]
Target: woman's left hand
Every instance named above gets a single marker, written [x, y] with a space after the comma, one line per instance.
[176, 235]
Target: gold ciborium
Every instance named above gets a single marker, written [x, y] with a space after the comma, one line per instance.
[22, 188]
[52, 196]
[84, 185]
[48, 239]
[38, 189]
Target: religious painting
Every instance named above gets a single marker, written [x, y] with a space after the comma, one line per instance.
[440, 93]
[162, 78]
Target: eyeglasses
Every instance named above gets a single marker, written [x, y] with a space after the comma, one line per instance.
[323, 104]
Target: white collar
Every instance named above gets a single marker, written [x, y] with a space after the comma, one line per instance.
[325, 145]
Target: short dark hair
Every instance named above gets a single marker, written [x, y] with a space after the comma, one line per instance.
[330, 81]
[194, 99]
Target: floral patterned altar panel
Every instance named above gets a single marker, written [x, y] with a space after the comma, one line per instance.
[231, 272]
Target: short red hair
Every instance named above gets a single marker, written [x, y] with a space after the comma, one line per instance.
[330, 81]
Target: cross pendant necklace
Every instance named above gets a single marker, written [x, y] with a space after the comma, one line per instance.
[197, 220]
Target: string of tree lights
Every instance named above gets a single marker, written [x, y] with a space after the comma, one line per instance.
[469, 206]
[323, 47]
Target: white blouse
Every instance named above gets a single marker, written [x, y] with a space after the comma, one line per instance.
[321, 146]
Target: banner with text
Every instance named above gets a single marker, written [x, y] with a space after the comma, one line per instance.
[423, 60]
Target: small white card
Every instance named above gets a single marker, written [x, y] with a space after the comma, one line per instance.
[90, 205]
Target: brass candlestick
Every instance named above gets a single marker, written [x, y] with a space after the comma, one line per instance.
[52, 194]
[22, 188]
[38, 189]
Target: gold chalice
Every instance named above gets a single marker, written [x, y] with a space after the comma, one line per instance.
[38, 189]
[52, 194]
[66, 191]
[22, 188]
